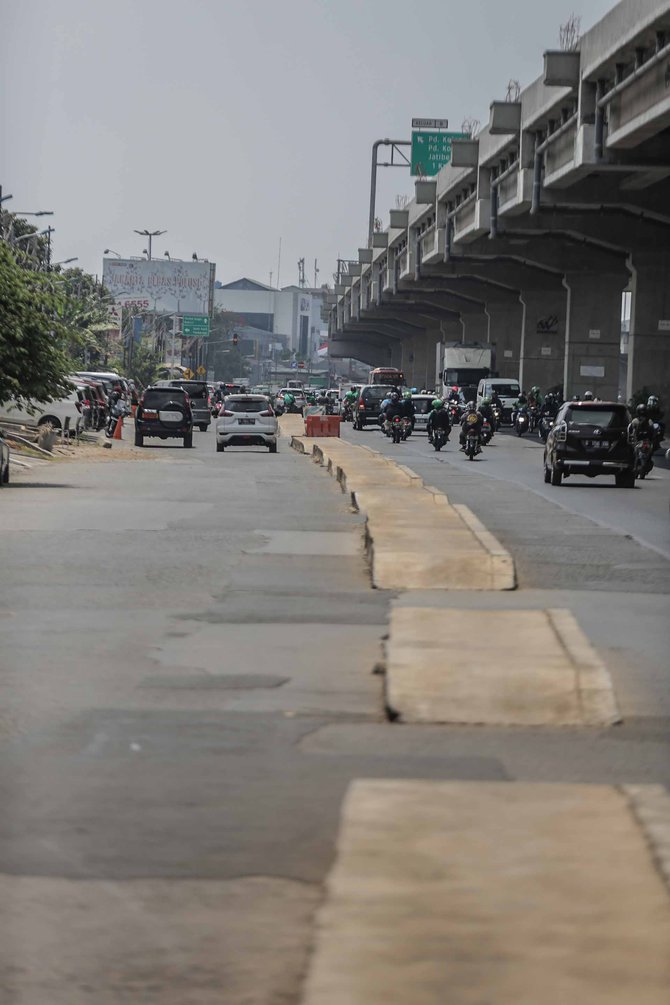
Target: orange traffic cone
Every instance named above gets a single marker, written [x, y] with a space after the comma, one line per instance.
[117, 431]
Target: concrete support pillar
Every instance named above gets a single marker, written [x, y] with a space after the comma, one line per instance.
[475, 327]
[593, 333]
[541, 357]
[504, 334]
[649, 342]
[421, 370]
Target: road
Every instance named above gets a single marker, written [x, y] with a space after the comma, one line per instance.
[188, 644]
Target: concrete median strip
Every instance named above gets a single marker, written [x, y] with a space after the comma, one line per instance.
[492, 892]
[417, 540]
[517, 668]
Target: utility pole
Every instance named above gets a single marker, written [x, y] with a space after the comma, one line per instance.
[302, 282]
[316, 273]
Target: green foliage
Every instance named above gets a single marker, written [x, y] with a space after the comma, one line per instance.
[34, 344]
[84, 314]
[144, 364]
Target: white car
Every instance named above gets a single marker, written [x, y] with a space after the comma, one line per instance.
[423, 404]
[54, 412]
[246, 420]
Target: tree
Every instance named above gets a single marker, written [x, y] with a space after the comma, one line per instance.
[144, 364]
[84, 314]
[34, 356]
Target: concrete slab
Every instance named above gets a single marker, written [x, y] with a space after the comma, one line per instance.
[415, 538]
[497, 893]
[526, 668]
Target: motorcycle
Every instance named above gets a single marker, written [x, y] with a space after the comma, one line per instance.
[396, 429]
[487, 432]
[347, 412]
[406, 428]
[545, 425]
[439, 437]
[119, 410]
[472, 445]
[497, 417]
[643, 458]
[522, 422]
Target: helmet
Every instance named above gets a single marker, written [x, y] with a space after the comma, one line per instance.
[535, 389]
[588, 395]
[576, 397]
[652, 401]
[471, 405]
[395, 396]
[437, 403]
[641, 411]
[407, 395]
[486, 400]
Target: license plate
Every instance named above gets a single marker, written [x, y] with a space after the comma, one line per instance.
[170, 416]
[597, 444]
[247, 422]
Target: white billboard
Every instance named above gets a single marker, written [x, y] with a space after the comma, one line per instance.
[167, 287]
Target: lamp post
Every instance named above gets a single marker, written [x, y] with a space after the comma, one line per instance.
[110, 251]
[149, 234]
[65, 261]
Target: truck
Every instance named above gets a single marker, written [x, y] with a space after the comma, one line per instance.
[464, 364]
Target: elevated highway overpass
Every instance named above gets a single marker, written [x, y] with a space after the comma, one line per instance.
[528, 238]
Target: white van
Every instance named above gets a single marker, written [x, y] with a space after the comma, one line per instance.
[508, 391]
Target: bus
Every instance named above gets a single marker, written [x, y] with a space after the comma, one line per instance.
[386, 375]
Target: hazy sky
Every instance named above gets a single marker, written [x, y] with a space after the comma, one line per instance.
[230, 123]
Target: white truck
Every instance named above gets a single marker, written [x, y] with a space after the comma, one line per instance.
[464, 365]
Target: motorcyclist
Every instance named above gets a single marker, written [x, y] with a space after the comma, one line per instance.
[394, 407]
[520, 403]
[438, 419]
[535, 397]
[643, 428]
[655, 414]
[471, 422]
[549, 406]
[408, 410]
[486, 409]
[587, 396]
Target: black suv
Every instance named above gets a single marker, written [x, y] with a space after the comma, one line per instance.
[590, 438]
[368, 407]
[164, 412]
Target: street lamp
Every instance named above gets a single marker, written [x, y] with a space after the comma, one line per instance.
[25, 212]
[110, 251]
[149, 234]
[65, 261]
[26, 237]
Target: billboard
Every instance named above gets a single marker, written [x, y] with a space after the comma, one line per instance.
[164, 286]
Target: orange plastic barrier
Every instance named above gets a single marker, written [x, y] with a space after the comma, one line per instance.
[330, 425]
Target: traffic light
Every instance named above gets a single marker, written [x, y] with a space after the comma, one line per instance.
[235, 339]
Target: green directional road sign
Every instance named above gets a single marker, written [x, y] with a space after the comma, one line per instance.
[431, 150]
[195, 326]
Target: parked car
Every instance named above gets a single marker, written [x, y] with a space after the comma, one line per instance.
[422, 408]
[164, 412]
[246, 420]
[4, 461]
[367, 408]
[590, 438]
[62, 413]
[198, 393]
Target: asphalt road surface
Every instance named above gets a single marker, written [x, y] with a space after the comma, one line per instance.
[188, 643]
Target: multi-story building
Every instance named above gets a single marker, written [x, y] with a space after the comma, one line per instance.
[292, 312]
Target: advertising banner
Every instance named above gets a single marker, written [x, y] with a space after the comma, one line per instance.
[167, 287]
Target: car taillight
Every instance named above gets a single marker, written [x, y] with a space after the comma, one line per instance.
[148, 413]
[362, 407]
[229, 415]
[561, 433]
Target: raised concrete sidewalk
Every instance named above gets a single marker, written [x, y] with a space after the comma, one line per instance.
[495, 893]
